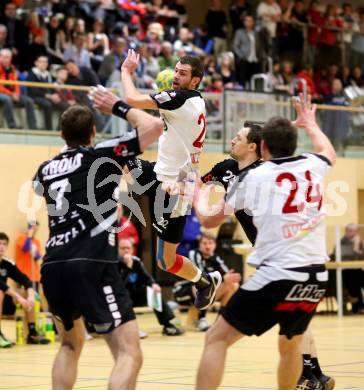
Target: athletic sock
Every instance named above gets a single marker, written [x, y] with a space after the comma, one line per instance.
[316, 369]
[203, 282]
[31, 328]
[201, 314]
[307, 367]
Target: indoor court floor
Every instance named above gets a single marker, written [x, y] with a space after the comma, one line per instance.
[171, 362]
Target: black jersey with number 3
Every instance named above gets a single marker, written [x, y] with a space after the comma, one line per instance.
[80, 187]
[226, 173]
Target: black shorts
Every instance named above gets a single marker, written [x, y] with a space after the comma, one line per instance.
[168, 228]
[94, 290]
[289, 303]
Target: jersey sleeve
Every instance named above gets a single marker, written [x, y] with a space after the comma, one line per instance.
[15, 274]
[120, 148]
[321, 164]
[172, 100]
[215, 174]
[237, 196]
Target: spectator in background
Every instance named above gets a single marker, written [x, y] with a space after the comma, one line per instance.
[345, 76]
[155, 34]
[316, 21]
[269, 12]
[191, 234]
[226, 68]
[357, 79]
[66, 95]
[216, 22]
[250, 49]
[98, 44]
[17, 36]
[112, 61]
[350, 25]
[167, 59]
[136, 279]
[46, 98]
[127, 229]
[352, 249]
[36, 49]
[3, 35]
[357, 45]
[184, 42]
[306, 73]
[336, 124]
[151, 66]
[28, 254]
[202, 39]
[67, 33]
[78, 52]
[10, 94]
[329, 51]
[238, 9]
[53, 40]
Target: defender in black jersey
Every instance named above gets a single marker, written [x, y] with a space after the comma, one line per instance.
[8, 269]
[273, 295]
[183, 111]
[80, 270]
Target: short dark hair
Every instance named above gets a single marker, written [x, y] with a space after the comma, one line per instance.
[197, 68]
[77, 124]
[207, 236]
[255, 134]
[280, 137]
[4, 237]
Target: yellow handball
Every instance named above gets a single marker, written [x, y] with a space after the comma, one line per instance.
[164, 80]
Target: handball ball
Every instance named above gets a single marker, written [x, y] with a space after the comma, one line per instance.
[164, 80]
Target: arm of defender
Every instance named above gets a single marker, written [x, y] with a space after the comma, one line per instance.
[132, 96]
[307, 120]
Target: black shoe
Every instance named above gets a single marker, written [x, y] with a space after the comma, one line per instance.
[327, 382]
[206, 296]
[37, 339]
[308, 384]
[172, 330]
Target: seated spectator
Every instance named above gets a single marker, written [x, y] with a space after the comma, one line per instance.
[53, 40]
[154, 38]
[353, 279]
[336, 124]
[357, 78]
[202, 40]
[306, 73]
[46, 98]
[207, 260]
[98, 44]
[67, 33]
[66, 95]
[10, 94]
[136, 279]
[127, 229]
[250, 49]
[8, 269]
[167, 59]
[226, 69]
[78, 52]
[112, 61]
[17, 35]
[184, 42]
[345, 76]
[3, 35]
[37, 48]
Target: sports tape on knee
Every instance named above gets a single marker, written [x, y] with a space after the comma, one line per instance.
[178, 264]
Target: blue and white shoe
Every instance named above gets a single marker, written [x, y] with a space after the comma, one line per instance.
[206, 296]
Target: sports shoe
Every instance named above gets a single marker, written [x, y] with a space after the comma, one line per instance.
[172, 330]
[202, 325]
[143, 335]
[308, 384]
[327, 382]
[37, 339]
[206, 296]
[4, 342]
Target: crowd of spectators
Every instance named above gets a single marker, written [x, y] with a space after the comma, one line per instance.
[84, 43]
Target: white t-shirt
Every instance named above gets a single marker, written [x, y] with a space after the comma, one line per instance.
[180, 146]
[284, 196]
[264, 11]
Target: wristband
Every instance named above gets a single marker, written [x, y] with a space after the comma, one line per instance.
[121, 109]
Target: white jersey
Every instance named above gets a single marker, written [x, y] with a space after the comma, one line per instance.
[180, 145]
[284, 197]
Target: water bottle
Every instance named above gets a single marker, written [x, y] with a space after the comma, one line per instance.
[50, 334]
[19, 323]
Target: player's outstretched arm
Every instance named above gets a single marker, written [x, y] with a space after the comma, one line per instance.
[132, 96]
[306, 119]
